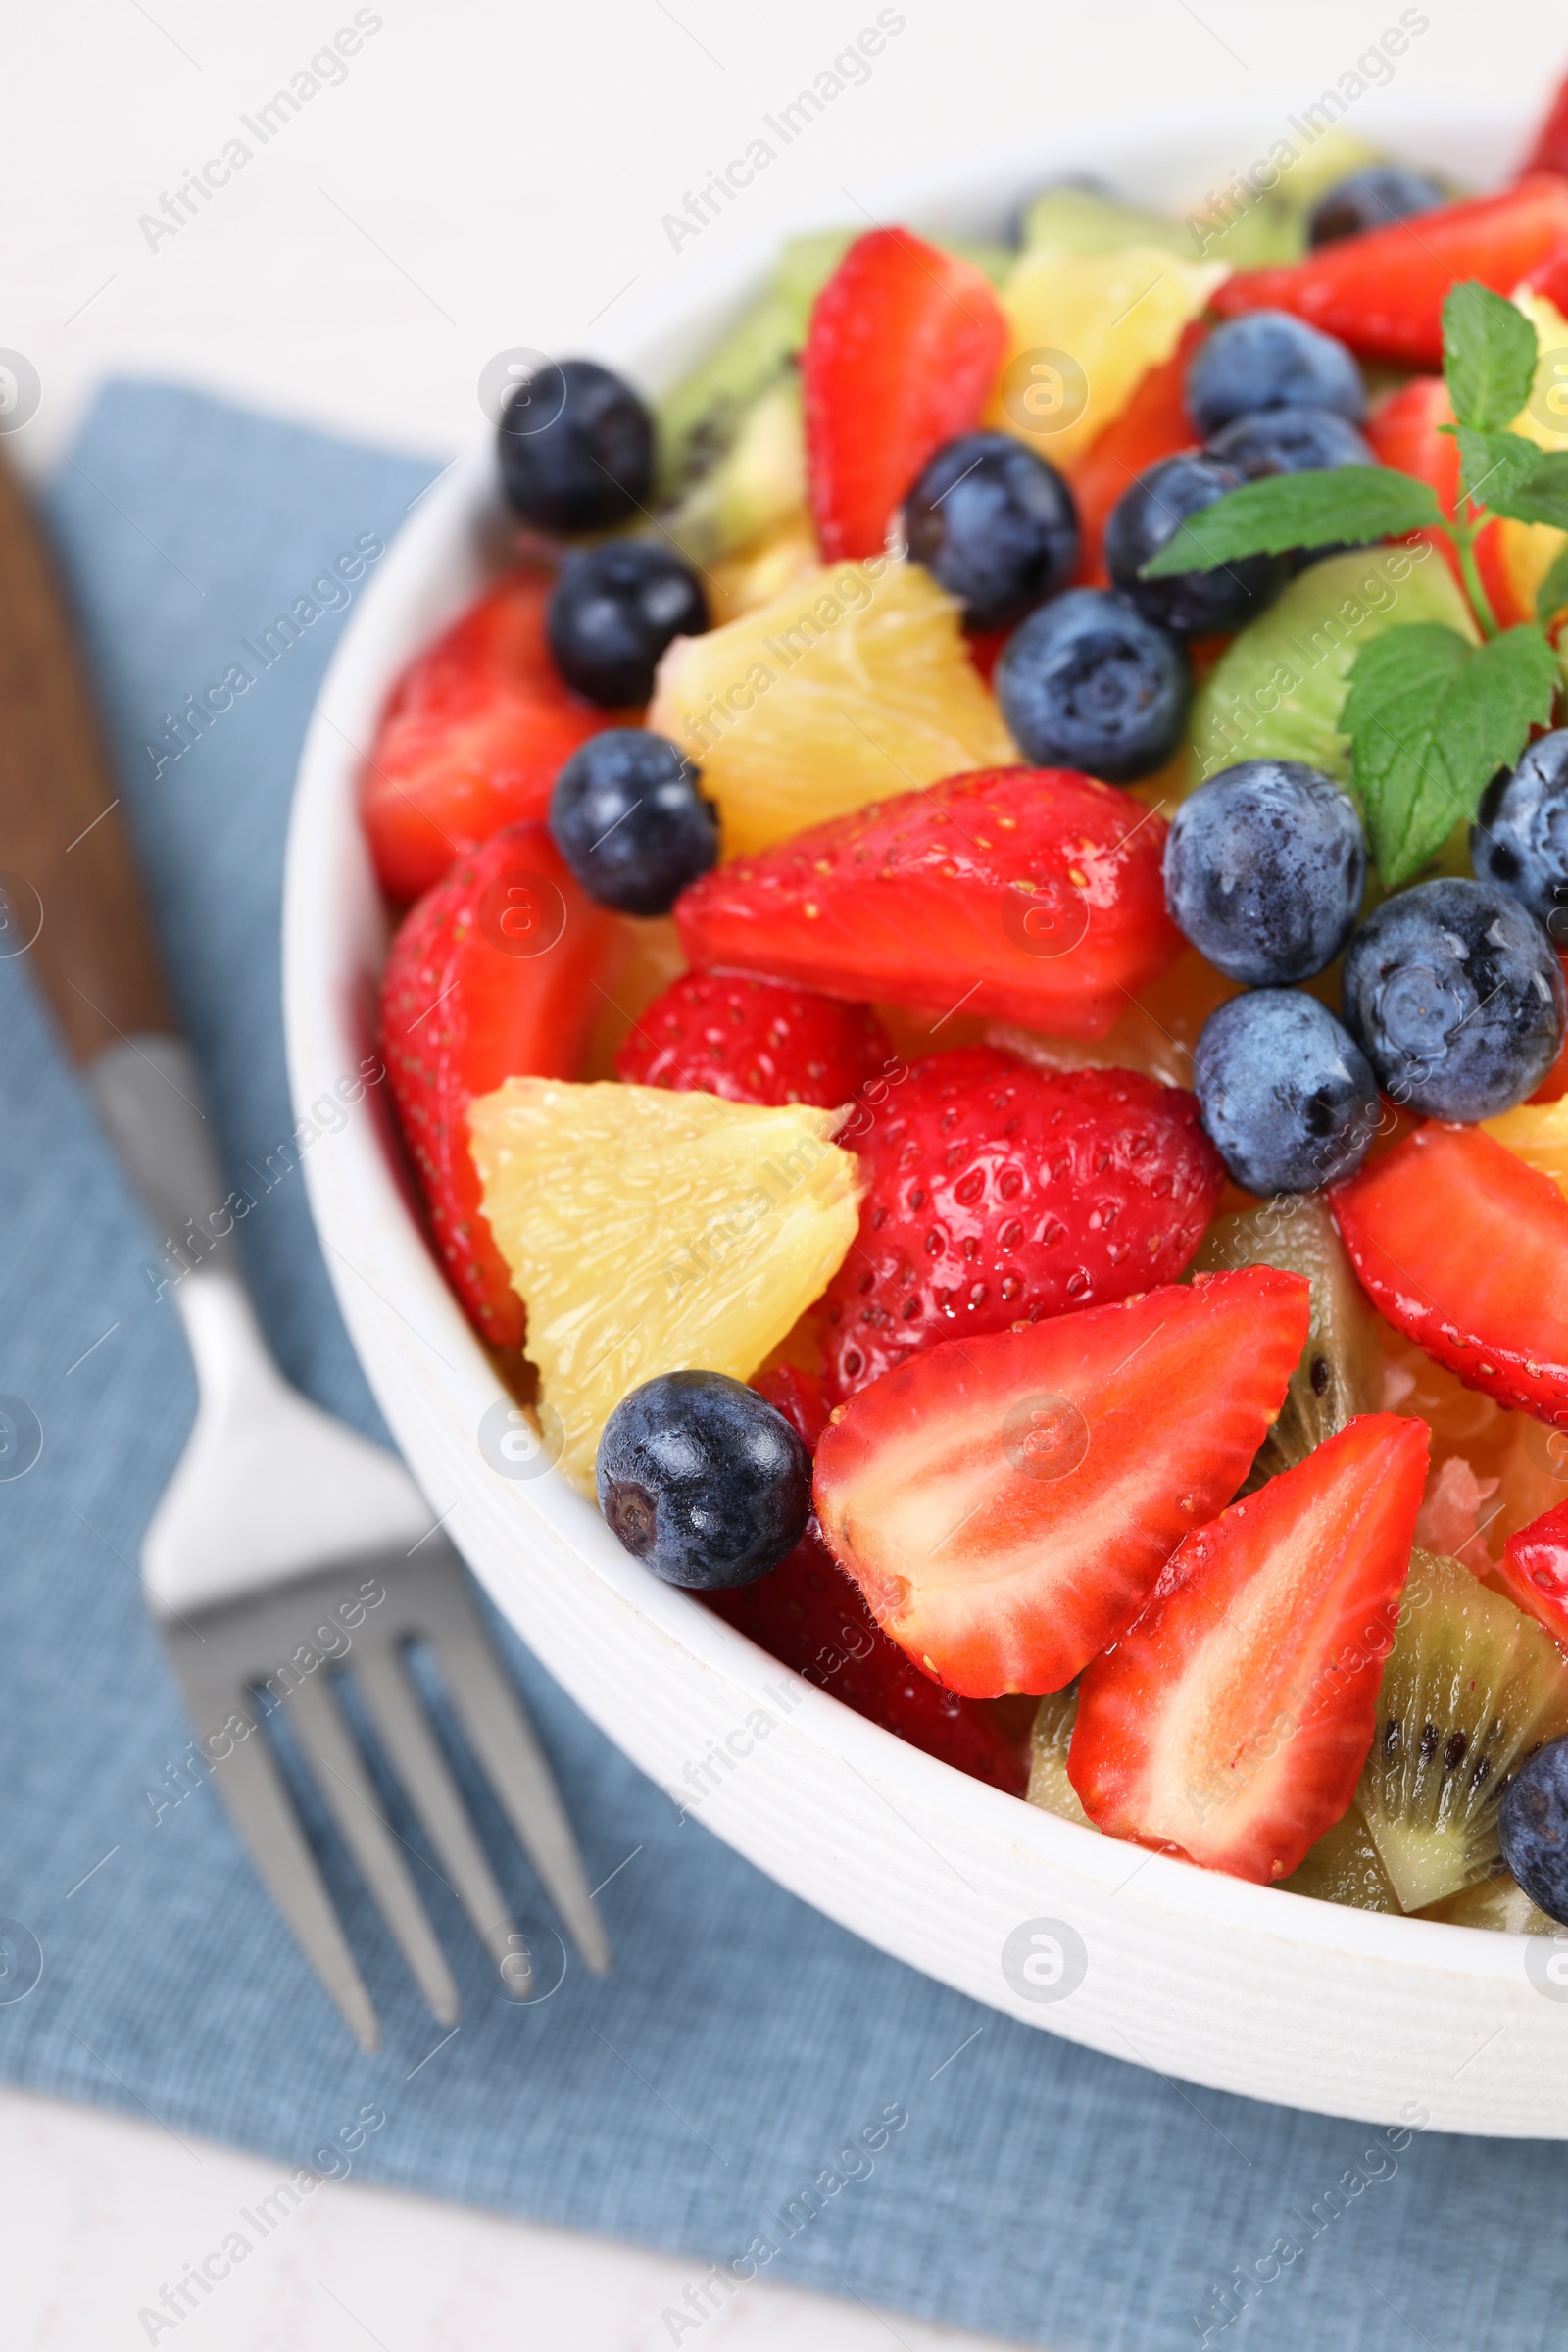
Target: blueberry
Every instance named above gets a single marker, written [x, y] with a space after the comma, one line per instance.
[1268, 359]
[614, 611]
[1265, 869]
[995, 525]
[576, 448]
[1144, 517]
[1088, 682]
[1520, 839]
[703, 1481]
[627, 818]
[1458, 998]
[1372, 199]
[1532, 1827]
[1285, 1091]
[1296, 439]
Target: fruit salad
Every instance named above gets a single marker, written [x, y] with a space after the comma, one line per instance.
[977, 1002]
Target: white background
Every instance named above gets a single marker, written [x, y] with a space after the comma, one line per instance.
[491, 174]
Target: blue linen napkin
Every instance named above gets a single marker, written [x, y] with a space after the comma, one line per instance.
[751, 2087]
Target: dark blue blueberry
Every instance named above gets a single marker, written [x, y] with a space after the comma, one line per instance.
[1458, 998]
[1289, 440]
[614, 611]
[1266, 869]
[627, 818]
[995, 525]
[576, 448]
[1520, 839]
[1144, 517]
[703, 1481]
[1532, 1827]
[1285, 1091]
[1372, 199]
[1088, 682]
[1268, 359]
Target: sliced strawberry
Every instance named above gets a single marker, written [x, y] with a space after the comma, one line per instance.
[1550, 152]
[1534, 1571]
[1230, 1723]
[491, 976]
[1407, 431]
[471, 739]
[755, 1040]
[904, 344]
[1006, 1504]
[1154, 424]
[1383, 292]
[1002, 1194]
[1463, 1246]
[809, 1615]
[1032, 894]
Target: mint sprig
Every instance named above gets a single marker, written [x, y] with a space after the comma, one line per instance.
[1430, 718]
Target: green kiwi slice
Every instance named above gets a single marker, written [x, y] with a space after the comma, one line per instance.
[1048, 1742]
[759, 480]
[1501, 1904]
[1472, 1687]
[1341, 1371]
[1344, 1867]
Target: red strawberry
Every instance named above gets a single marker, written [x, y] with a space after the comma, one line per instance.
[755, 1040]
[1006, 1504]
[809, 1615]
[476, 728]
[1230, 1723]
[490, 977]
[901, 350]
[798, 1395]
[1002, 1194]
[1551, 150]
[1383, 292]
[1032, 894]
[1154, 424]
[1463, 1246]
[1534, 1571]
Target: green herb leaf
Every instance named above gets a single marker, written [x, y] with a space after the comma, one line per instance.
[1355, 504]
[1552, 594]
[1493, 468]
[1489, 356]
[1542, 497]
[1431, 719]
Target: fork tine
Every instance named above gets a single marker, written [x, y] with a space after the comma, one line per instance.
[492, 1714]
[350, 1798]
[426, 1777]
[259, 1805]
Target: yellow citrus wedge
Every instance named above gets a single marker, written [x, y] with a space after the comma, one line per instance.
[654, 1232]
[852, 685]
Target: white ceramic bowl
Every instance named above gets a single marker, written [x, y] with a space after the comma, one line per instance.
[1232, 1986]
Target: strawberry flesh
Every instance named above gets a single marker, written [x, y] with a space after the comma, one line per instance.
[902, 351]
[1034, 894]
[1002, 1194]
[1230, 1723]
[1463, 1246]
[462, 1010]
[1006, 1504]
[1154, 424]
[755, 1040]
[1534, 1571]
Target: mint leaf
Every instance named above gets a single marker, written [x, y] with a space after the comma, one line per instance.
[1552, 594]
[1494, 467]
[1355, 504]
[1489, 356]
[1431, 719]
[1542, 497]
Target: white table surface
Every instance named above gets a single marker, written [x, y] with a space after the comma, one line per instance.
[486, 175]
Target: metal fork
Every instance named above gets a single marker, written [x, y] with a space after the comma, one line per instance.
[287, 1550]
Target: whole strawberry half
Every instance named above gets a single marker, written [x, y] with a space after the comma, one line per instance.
[902, 346]
[471, 739]
[1230, 1723]
[1002, 1194]
[1036, 895]
[490, 976]
[755, 1040]
[1006, 1504]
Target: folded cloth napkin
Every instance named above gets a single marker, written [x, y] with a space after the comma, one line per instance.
[751, 2086]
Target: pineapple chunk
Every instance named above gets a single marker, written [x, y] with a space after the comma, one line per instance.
[655, 1232]
[1539, 1133]
[852, 685]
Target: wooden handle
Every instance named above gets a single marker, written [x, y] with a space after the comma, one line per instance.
[63, 852]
